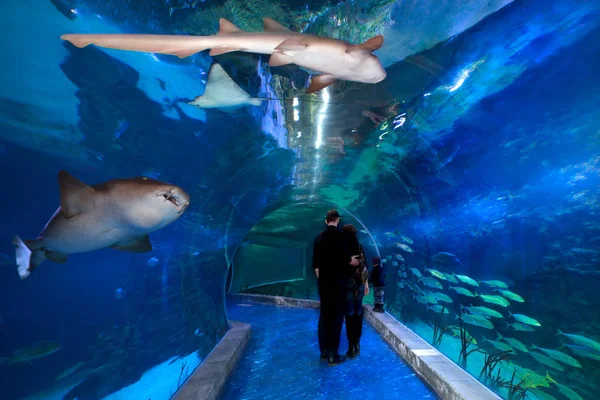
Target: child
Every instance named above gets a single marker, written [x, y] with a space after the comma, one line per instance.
[378, 280]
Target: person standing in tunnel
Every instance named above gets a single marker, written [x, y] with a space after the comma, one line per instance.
[331, 260]
[358, 287]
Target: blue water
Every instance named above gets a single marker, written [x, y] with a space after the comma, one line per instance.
[281, 361]
[482, 142]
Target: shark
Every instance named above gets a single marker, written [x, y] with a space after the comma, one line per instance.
[223, 93]
[119, 214]
[327, 58]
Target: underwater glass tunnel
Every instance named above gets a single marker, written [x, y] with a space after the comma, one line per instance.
[471, 167]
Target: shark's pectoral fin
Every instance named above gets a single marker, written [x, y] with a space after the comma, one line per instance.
[278, 59]
[271, 25]
[367, 47]
[222, 50]
[75, 197]
[226, 27]
[139, 245]
[318, 82]
[292, 44]
[56, 257]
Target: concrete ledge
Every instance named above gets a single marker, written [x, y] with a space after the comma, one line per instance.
[448, 380]
[208, 380]
[278, 300]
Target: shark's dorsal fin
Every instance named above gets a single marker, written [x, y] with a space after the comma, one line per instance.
[226, 27]
[293, 44]
[367, 47]
[75, 196]
[271, 25]
[318, 82]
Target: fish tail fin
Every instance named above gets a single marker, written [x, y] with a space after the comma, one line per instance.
[559, 332]
[462, 307]
[499, 337]
[549, 378]
[177, 45]
[509, 313]
[28, 256]
[507, 325]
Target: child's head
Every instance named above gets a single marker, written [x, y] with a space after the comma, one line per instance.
[376, 260]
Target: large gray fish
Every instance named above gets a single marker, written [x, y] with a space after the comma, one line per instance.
[333, 58]
[118, 214]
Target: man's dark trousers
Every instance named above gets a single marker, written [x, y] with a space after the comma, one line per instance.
[331, 318]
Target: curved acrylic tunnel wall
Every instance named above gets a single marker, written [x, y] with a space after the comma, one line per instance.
[474, 166]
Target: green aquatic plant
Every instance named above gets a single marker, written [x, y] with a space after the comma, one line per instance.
[490, 363]
[465, 342]
[438, 329]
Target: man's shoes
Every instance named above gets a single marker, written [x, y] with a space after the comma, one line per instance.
[378, 308]
[351, 353]
[324, 357]
[336, 359]
[356, 349]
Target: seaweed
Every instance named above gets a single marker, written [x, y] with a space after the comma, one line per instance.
[438, 329]
[491, 362]
[465, 344]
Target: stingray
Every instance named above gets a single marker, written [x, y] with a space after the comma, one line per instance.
[223, 93]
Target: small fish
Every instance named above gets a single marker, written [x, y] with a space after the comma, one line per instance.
[483, 311]
[406, 239]
[450, 278]
[69, 371]
[153, 262]
[425, 299]
[119, 293]
[445, 258]
[431, 282]
[500, 346]
[463, 291]
[496, 284]
[514, 343]
[416, 273]
[568, 392]
[35, 351]
[520, 327]
[399, 257]
[511, 296]
[546, 360]
[389, 258]
[436, 273]
[476, 320]
[467, 280]
[524, 319]
[581, 340]
[559, 356]
[400, 285]
[492, 299]
[414, 287]
[438, 309]
[404, 247]
[442, 297]
[394, 264]
[583, 351]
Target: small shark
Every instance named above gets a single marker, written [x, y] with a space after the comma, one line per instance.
[118, 214]
[334, 59]
[223, 93]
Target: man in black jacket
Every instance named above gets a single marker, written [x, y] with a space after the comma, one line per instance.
[331, 260]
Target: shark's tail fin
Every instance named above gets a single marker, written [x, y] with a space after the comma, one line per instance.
[178, 45]
[28, 258]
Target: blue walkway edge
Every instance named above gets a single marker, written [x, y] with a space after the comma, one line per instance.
[281, 360]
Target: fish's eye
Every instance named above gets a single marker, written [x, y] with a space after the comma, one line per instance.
[144, 178]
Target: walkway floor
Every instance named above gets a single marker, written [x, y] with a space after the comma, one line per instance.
[281, 361]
